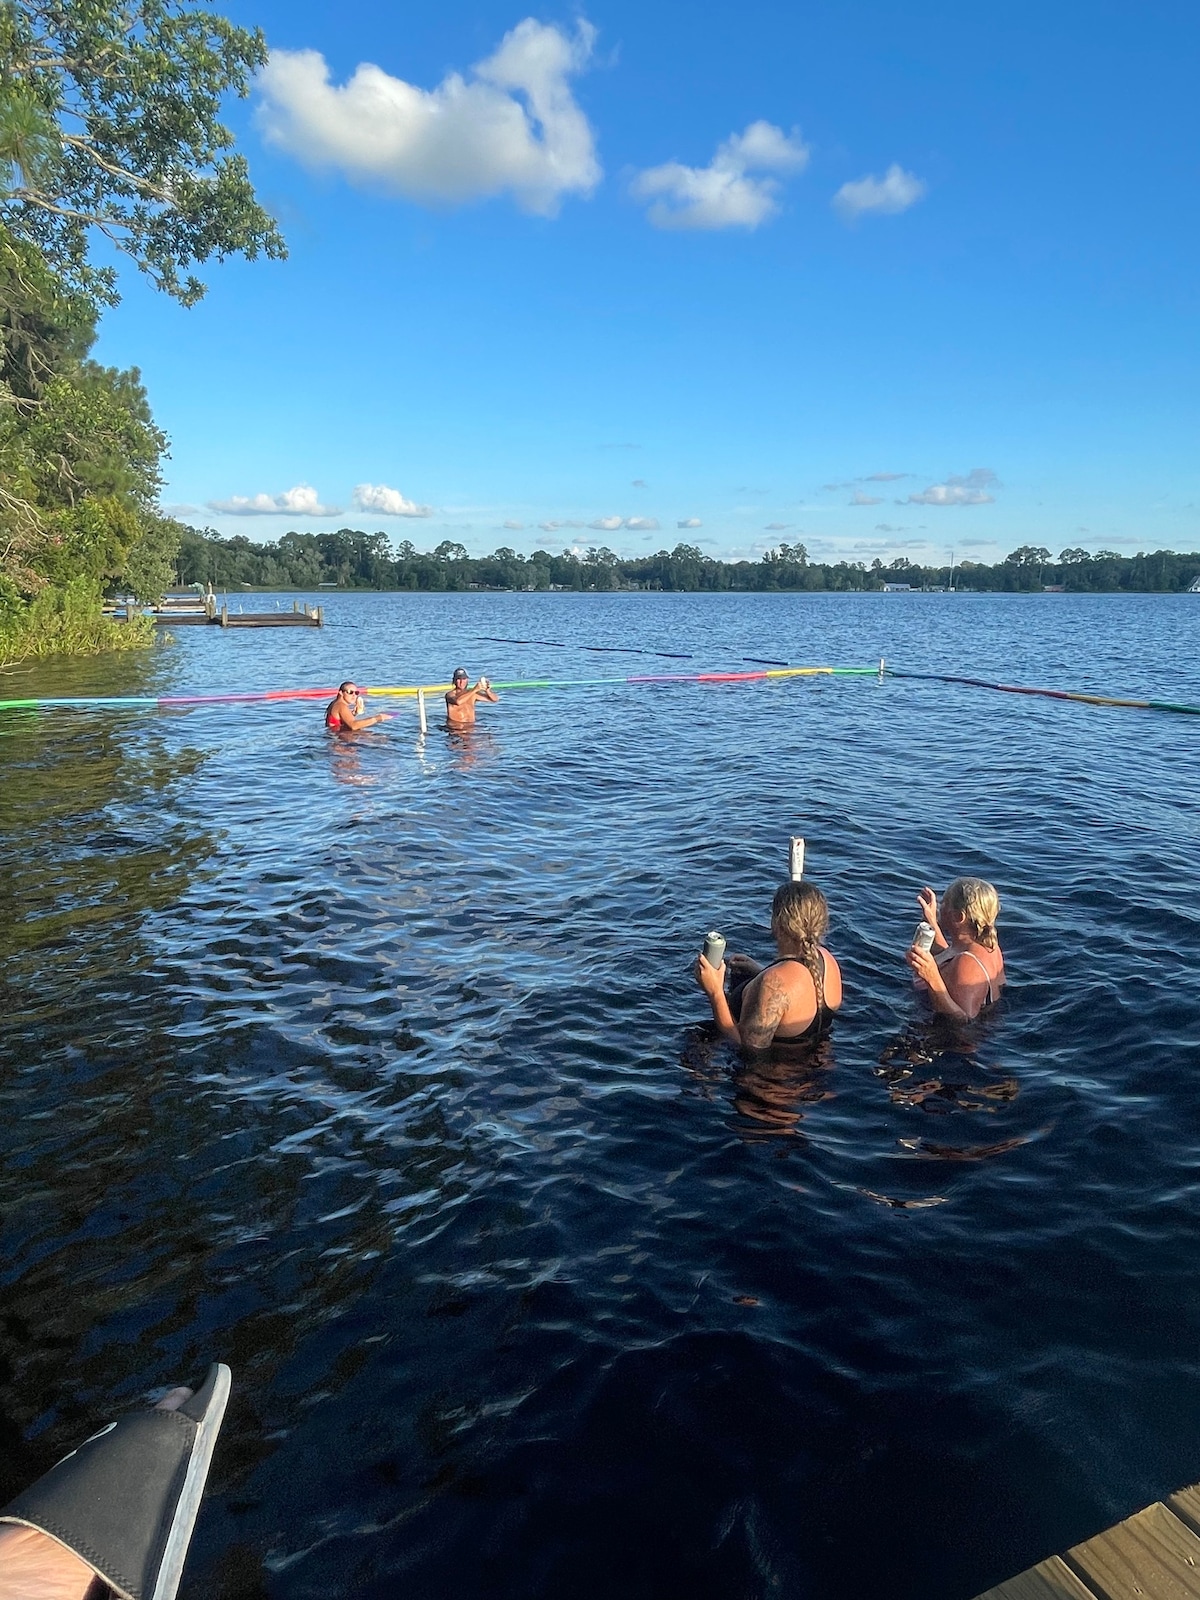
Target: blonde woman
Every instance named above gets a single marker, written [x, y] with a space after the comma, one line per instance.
[965, 969]
[791, 998]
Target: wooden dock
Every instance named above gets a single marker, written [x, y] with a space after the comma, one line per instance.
[1153, 1555]
[176, 612]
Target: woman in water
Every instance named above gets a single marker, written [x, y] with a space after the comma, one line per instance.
[790, 998]
[965, 969]
[345, 714]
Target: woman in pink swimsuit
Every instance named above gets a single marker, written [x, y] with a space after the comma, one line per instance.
[965, 969]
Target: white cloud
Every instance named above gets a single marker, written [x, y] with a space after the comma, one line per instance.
[549, 527]
[690, 522]
[514, 527]
[895, 191]
[606, 524]
[639, 483]
[513, 127]
[885, 477]
[858, 498]
[642, 524]
[776, 527]
[969, 490]
[723, 195]
[387, 502]
[187, 511]
[302, 501]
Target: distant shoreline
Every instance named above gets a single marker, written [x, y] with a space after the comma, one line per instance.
[478, 589]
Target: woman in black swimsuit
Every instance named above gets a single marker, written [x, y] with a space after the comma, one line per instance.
[791, 998]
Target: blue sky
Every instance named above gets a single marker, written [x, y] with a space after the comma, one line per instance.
[884, 279]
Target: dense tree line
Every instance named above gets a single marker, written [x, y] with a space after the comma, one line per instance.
[352, 559]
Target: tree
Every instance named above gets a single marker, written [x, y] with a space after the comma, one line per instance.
[109, 121]
[150, 564]
[79, 451]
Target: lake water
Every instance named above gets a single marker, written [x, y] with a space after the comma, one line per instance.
[375, 1069]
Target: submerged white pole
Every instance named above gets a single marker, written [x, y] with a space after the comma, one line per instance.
[421, 710]
[796, 859]
[881, 669]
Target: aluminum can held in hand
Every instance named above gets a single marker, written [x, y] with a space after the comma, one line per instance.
[923, 937]
[714, 949]
[796, 859]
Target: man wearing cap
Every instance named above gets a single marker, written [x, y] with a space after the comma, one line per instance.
[460, 701]
[345, 714]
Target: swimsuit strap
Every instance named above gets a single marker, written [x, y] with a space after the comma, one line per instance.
[973, 957]
[800, 962]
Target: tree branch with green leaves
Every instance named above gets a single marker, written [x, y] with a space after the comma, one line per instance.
[110, 122]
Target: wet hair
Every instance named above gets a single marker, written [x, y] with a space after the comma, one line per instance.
[801, 912]
[979, 903]
[459, 672]
[348, 684]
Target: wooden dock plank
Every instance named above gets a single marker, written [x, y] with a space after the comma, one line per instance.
[1049, 1580]
[1153, 1555]
[1150, 1556]
[1185, 1503]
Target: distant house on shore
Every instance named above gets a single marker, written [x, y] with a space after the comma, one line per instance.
[1054, 588]
[897, 588]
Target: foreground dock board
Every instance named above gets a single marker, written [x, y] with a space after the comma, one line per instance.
[1153, 1555]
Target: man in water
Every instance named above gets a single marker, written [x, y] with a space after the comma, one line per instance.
[345, 714]
[460, 701]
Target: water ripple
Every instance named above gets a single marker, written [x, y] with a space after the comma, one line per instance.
[376, 1069]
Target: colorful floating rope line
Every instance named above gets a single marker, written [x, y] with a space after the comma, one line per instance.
[406, 691]
[596, 649]
[1049, 694]
[617, 650]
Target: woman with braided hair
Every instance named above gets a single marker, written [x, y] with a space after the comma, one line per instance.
[965, 969]
[791, 998]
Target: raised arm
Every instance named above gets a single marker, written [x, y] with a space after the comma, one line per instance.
[712, 980]
[927, 901]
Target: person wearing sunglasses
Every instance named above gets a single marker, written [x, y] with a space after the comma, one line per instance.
[460, 700]
[345, 714]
